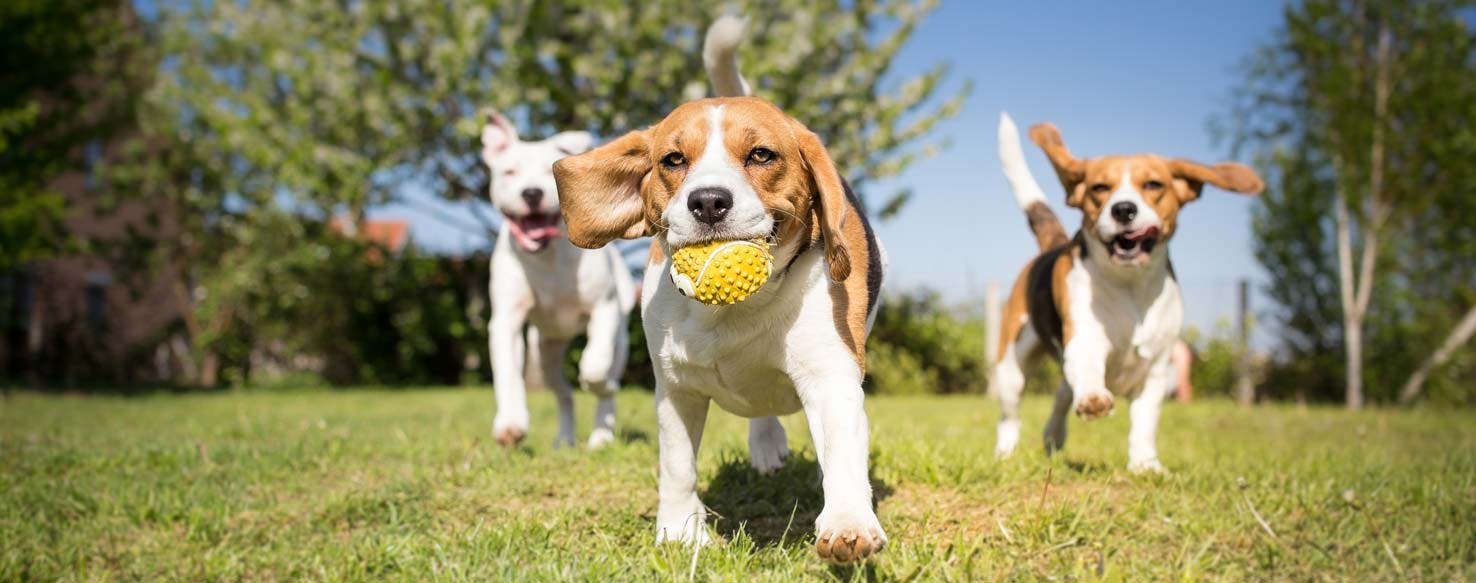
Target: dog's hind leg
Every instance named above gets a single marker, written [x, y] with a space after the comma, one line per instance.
[1055, 429]
[551, 363]
[601, 366]
[768, 445]
[1008, 382]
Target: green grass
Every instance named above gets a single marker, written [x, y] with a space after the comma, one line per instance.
[382, 485]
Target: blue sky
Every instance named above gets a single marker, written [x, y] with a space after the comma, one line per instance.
[1115, 77]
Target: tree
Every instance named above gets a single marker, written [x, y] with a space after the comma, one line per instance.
[349, 106]
[64, 72]
[1360, 112]
[310, 108]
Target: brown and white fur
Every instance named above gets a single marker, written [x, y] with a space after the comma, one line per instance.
[1104, 302]
[739, 168]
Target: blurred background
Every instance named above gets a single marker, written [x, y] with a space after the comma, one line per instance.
[198, 195]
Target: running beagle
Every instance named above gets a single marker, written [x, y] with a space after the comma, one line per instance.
[739, 168]
[1104, 302]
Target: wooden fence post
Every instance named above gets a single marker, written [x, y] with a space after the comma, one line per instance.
[1245, 390]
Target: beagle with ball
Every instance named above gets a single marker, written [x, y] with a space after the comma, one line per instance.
[1104, 302]
[738, 168]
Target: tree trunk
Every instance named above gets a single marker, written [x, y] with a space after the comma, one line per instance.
[1352, 317]
[1458, 337]
[1356, 294]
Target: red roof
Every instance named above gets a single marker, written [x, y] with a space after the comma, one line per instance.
[392, 235]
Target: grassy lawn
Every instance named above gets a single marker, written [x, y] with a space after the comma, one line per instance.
[389, 485]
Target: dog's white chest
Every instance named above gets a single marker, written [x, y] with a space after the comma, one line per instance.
[732, 354]
[733, 363]
[1139, 323]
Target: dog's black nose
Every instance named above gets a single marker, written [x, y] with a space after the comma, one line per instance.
[1124, 212]
[533, 196]
[710, 205]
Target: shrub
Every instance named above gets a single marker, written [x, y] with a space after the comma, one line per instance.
[920, 345]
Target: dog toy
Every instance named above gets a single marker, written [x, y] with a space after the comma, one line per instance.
[721, 272]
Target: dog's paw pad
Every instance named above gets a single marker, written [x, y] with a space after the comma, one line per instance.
[849, 541]
[509, 436]
[1094, 405]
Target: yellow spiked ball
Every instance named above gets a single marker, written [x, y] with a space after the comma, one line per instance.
[721, 272]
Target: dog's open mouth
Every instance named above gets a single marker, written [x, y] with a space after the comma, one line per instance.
[1132, 245]
[533, 231]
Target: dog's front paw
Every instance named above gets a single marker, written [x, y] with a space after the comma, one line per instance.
[848, 537]
[1148, 466]
[508, 430]
[1094, 405]
[509, 436]
[691, 532]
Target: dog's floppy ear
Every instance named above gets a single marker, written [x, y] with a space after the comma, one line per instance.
[600, 191]
[1231, 176]
[831, 204]
[571, 143]
[1071, 170]
[497, 135]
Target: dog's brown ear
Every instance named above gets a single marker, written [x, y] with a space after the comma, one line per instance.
[832, 206]
[600, 191]
[1069, 169]
[1231, 176]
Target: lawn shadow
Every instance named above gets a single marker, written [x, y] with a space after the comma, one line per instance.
[1081, 467]
[848, 572]
[772, 509]
[629, 436]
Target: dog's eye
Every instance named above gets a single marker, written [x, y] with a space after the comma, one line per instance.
[761, 156]
[673, 160]
[1100, 188]
[509, 171]
[1153, 185]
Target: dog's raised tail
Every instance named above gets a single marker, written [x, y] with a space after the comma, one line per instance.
[720, 55]
[1043, 222]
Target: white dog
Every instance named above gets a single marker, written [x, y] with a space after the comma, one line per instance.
[739, 168]
[549, 287]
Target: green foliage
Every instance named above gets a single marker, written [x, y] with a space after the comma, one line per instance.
[1307, 112]
[270, 117]
[345, 107]
[920, 345]
[1216, 360]
[298, 296]
[380, 485]
[66, 79]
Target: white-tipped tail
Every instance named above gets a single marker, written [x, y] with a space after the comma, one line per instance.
[1012, 157]
[720, 55]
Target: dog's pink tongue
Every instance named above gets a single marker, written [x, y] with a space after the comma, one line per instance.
[533, 233]
[543, 233]
[1141, 234]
